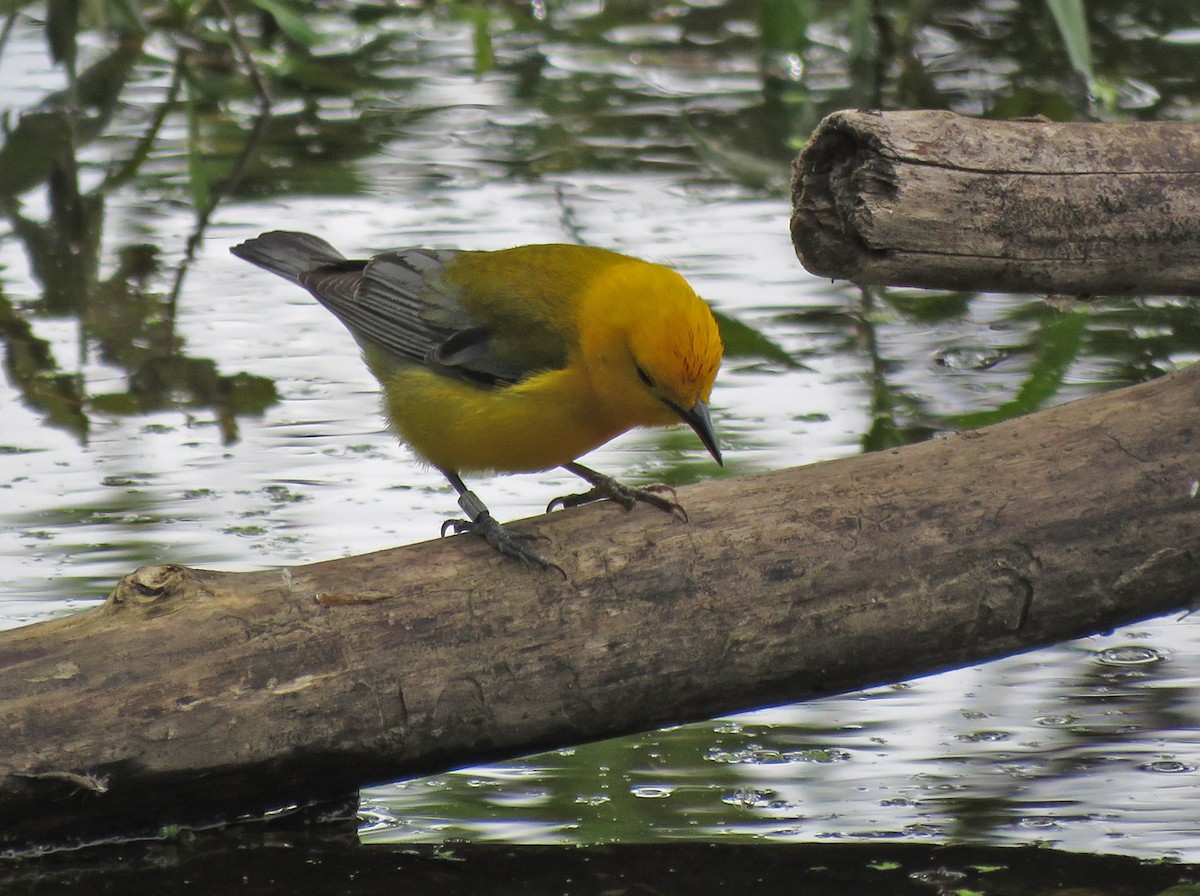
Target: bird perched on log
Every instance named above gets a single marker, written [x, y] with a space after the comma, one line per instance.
[517, 360]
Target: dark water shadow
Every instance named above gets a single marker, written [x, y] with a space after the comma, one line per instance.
[275, 863]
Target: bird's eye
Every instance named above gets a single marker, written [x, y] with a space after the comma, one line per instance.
[644, 377]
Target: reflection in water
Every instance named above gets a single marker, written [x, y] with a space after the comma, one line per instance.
[1012, 752]
[232, 424]
[127, 326]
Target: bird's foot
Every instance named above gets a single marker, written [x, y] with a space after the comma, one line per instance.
[508, 543]
[605, 487]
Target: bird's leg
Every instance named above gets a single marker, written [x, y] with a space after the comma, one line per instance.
[481, 522]
[627, 496]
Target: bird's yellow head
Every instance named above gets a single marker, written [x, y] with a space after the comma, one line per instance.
[652, 348]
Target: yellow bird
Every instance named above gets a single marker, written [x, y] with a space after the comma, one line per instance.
[516, 360]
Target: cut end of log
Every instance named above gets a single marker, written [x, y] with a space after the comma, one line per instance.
[940, 201]
[840, 162]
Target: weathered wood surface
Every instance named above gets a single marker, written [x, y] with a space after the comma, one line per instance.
[932, 199]
[194, 696]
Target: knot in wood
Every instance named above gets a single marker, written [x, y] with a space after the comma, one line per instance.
[150, 587]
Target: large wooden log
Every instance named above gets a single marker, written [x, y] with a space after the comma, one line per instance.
[193, 696]
[932, 199]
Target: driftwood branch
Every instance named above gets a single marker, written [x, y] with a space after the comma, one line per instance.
[195, 696]
[932, 199]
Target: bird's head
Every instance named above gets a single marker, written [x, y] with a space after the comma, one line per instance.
[653, 347]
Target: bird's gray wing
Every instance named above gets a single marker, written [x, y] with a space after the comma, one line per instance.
[398, 306]
[400, 311]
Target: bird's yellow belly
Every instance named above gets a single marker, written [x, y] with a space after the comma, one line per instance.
[533, 426]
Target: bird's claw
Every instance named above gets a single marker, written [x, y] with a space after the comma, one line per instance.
[508, 543]
[457, 526]
[626, 496]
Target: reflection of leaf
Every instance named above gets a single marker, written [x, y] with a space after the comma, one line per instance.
[161, 381]
[886, 433]
[46, 135]
[125, 15]
[481, 22]
[31, 149]
[757, 172]
[928, 307]
[864, 42]
[743, 341]
[785, 24]
[888, 407]
[306, 154]
[368, 66]
[1060, 339]
[1026, 102]
[197, 174]
[1072, 27]
[682, 461]
[289, 20]
[64, 253]
[62, 24]
[32, 369]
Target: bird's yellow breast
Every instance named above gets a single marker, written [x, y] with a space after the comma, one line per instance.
[543, 422]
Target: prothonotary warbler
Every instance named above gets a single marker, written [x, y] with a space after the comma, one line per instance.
[517, 360]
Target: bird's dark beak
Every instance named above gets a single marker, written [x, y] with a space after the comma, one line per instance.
[697, 418]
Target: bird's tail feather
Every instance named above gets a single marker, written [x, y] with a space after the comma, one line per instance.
[287, 253]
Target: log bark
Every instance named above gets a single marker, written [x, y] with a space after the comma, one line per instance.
[932, 199]
[193, 696]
